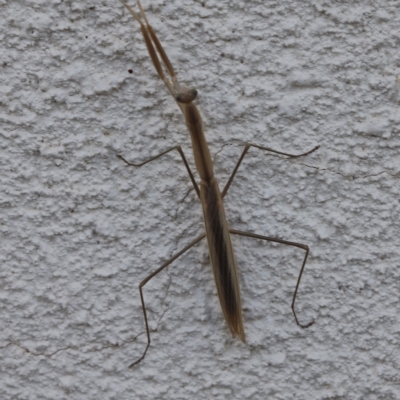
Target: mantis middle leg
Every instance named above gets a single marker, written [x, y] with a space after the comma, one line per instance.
[180, 151]
[247, 148]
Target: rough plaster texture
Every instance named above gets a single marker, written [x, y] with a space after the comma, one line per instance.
[79, 229]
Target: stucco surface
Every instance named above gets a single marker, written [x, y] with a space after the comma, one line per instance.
[79, 229]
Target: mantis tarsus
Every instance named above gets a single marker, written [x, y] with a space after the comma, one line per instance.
[217, 231]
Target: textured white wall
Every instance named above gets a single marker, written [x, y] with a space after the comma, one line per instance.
[79, 229]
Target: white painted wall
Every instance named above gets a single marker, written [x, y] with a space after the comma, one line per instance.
[79, 229]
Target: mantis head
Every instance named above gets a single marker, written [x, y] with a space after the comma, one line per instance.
[186, 95]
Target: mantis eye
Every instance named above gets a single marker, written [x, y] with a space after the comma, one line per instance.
[186, 95]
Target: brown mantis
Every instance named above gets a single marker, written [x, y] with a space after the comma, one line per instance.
[217, 231]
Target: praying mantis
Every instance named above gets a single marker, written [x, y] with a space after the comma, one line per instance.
[216, 228]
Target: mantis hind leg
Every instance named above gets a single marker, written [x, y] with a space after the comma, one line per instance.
[144, 281]
[299, 245]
